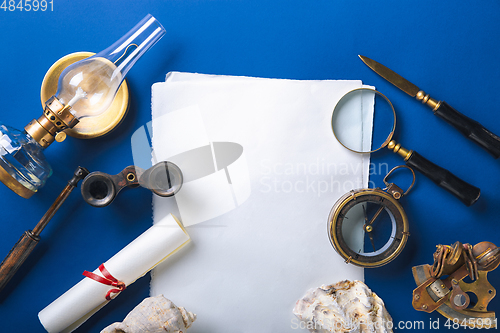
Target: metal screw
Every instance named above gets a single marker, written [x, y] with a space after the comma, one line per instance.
[417, 297]
[60, 137]
[424, 306]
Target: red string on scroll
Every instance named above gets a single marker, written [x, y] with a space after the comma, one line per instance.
[108, 279]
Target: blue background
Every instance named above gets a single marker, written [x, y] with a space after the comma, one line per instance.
[448, 48]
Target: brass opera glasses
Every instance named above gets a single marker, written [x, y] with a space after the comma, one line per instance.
[163, 179]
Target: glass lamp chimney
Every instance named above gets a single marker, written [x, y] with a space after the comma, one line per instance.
[90, 85]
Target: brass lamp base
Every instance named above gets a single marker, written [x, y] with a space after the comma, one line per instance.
[91, 127]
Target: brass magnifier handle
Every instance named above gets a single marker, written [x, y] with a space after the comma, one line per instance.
[464, 191]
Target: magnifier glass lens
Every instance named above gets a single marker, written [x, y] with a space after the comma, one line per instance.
[355, 124]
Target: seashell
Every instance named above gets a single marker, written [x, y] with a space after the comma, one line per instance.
[154, 314]
[343, 307]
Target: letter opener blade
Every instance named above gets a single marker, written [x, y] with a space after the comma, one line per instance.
[468, 127]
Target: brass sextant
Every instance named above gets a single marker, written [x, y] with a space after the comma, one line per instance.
[444, 286]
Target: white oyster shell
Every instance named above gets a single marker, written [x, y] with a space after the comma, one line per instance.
[343, 307]
[154, 314]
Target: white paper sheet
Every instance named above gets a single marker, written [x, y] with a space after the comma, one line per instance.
[264, 242]
[79, 303]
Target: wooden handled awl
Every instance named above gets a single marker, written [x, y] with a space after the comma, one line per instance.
[30, 238]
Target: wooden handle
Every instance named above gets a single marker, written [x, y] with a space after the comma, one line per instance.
[464, 191]
[470, 129]
[16, 257]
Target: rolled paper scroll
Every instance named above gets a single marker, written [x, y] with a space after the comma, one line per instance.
[79, 303]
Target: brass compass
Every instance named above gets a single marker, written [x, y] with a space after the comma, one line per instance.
[369, 227]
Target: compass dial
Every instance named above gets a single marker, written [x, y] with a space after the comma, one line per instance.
[368, 227]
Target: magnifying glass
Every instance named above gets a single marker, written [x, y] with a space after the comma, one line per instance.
[353, 118]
